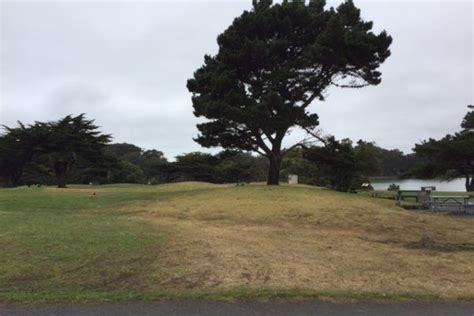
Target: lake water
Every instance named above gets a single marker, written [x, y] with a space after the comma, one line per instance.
[456, 185]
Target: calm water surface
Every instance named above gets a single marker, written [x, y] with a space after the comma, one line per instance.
[456, 185]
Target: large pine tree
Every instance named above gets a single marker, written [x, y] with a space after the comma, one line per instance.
[272, 63]
[68, 139]
[57, 145]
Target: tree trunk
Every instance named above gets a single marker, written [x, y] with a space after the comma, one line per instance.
[61, 180]
[469, 184]
[13, 180]
[274, 170]
[60, 169]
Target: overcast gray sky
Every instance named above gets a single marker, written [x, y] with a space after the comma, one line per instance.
[125, 64]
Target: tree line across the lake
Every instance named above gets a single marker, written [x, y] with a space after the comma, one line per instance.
[273, 62]
[73, 150]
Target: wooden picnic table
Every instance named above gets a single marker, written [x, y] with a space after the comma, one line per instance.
[437, 202]
[401, 194]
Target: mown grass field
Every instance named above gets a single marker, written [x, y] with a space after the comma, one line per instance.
[198, 240]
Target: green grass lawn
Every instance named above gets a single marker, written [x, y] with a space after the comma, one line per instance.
[198, 240]
[72, 243]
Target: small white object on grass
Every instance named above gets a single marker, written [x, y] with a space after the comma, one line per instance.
[292, 179]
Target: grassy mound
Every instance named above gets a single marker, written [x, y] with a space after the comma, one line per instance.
[204, 240]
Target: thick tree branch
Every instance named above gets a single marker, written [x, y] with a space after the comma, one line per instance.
[261, 143]
[311, 99]
[261, 153]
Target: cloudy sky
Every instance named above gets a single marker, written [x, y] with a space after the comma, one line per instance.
[125, 64]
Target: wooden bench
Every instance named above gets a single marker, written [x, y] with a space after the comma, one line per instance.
[402, 194]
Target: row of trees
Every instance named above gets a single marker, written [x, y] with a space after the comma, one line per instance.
[150, 166]
[73, 150]
[448, 158]
[343, 165]
[340, 165]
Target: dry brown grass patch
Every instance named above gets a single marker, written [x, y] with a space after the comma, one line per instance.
[293, 237]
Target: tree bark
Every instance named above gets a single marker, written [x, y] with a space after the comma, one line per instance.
[469, 184]
[61, 169]
[274, 170]
[13, 180]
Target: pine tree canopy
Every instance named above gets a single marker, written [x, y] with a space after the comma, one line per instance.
[273, 62]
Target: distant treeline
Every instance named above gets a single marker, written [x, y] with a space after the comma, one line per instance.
[72, 150]
[137, 165]
[128, 163]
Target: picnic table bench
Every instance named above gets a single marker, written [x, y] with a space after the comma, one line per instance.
[459, 203]
[403, 194]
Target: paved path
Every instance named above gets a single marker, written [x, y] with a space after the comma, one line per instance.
[273, 308]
